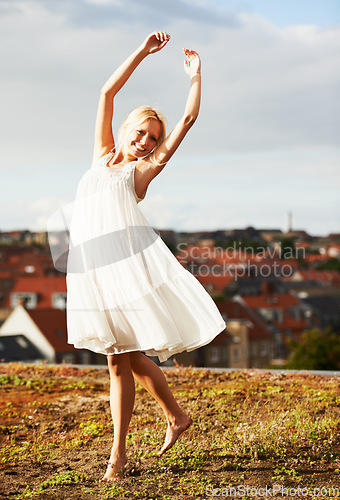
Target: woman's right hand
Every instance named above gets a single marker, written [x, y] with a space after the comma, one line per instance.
[155, 41]
[192, 63]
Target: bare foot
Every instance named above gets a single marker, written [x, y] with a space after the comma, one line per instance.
[115, 469]
[173, 432]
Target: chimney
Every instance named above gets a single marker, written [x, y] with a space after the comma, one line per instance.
[22, 301]
[289, 222]
[267, 288]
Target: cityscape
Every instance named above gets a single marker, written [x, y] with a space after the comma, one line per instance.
[276, 291]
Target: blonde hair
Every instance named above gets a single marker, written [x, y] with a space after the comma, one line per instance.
[137, 117]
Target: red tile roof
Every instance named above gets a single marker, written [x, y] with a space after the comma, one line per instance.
[22, 261]
[52, 323]
[237, 310]
[273, 300]
[322, 276]
[222, 338]
[43, 285]
[282, 302]
[311, 258]
[218, 282]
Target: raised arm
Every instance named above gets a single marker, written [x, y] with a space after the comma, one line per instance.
[163, 153]
[104, 140]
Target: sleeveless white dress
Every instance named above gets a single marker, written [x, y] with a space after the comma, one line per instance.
[126, 291]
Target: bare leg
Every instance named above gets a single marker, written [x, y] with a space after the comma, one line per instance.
[152, 378]
[122, 397]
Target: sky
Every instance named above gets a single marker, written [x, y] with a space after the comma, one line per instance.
[266, 141]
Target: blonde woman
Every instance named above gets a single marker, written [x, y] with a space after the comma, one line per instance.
[128, 296]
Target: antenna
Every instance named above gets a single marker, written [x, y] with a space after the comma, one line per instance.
[289, 222]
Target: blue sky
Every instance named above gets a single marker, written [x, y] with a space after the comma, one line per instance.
[265, 143]
[286, 13]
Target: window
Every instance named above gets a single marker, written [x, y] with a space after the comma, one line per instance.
[22, 342]
[279, 315]
[67, 358]
[29, 269]
[296, 313]
[267, 314]
[59, 300]
[30, 299]
[85, 358]
[214, 355]
[264, 348]
[308, 312]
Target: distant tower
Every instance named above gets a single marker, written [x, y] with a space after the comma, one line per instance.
[289, 222]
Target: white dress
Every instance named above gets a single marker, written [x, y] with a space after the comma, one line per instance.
[126, 291]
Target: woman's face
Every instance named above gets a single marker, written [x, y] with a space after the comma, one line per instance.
[142, 140]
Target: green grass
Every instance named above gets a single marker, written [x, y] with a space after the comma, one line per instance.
[248, 428]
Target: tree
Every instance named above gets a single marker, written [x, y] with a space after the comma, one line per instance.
[288, 247]
[332, 264]
[315, 350]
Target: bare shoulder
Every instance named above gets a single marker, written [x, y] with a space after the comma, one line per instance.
[145, 172]
[148, 168]
[99, 152]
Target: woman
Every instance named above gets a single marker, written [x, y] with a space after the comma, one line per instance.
[130, 296]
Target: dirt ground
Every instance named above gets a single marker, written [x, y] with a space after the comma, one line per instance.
[56, 435]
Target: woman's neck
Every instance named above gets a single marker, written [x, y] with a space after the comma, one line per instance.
[120, 159]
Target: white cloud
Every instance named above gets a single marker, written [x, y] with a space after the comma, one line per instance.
[166, 212]
[263, 87]
[270, 95]
[271, 88]
[34, 214]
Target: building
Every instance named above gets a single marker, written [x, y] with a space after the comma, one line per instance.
[36, 335]
[257, 350]
[325, 311]
[321, 278]
[38, 292]
[284, 313]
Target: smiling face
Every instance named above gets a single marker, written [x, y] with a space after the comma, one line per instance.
[143, 138]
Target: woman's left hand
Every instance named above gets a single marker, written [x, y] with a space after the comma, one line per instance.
[192, 63]
[156, 41]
